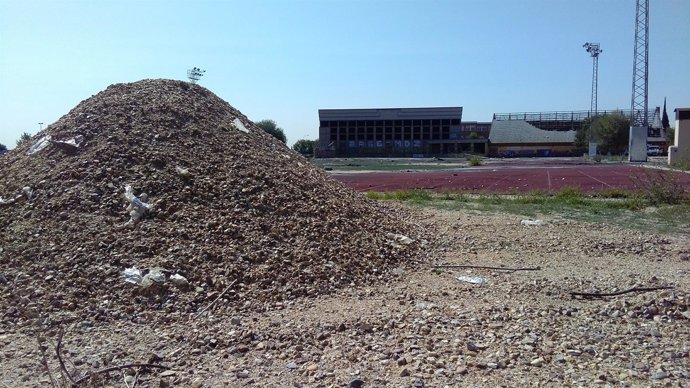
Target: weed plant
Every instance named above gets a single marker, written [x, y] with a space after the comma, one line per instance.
[474, 160]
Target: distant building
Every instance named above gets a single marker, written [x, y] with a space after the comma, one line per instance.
[399, 132]
[513, 138]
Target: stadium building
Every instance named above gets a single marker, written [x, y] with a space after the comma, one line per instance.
[399, 132]
[440, 132]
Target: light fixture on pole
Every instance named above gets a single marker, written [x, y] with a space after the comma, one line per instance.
[40, 126]
[594, 50]
[194, 74]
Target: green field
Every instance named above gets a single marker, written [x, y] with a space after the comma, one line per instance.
[628, 210]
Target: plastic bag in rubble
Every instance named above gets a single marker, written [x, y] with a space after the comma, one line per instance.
[39, 145]
[136, 202]
[133, 275]
[136, 207]
[70, 145]
[155, 276]
[402, 239]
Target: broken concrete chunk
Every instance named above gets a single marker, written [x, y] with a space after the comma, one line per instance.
[239, 125]
[532, 222]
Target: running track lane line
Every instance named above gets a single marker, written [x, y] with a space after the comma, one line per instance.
[548, 176]
[591, 177]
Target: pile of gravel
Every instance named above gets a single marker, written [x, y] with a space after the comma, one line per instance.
[232, 210]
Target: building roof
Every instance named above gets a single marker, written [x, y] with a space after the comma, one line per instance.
[391, 113]
[522, 132]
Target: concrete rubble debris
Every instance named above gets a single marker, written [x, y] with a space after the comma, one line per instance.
[532, 222]
[472, 279]
[230, 205]
[237, 123]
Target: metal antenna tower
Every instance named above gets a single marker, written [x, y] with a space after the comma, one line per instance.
[594, 50]
[640, 66]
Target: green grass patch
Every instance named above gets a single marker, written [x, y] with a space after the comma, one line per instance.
[402, 195]
[626, 209]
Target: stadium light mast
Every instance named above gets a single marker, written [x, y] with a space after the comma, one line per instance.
[194, 74]
[40, 126]
[594, 50]
[639, 103]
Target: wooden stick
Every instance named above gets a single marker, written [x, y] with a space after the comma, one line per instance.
[114, 368]
[136, 379]
[59, 356]
[484, 267]
[44, 361]
[593, 295]
[216, 300]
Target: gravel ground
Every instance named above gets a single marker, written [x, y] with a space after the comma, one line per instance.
[420, 325]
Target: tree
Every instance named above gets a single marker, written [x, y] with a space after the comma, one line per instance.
[664, 118]
[305, 147]
[23, 139]
[3, 148]
[670, 135]
[272, 128]
[610, 131]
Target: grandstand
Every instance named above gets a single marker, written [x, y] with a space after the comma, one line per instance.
[558, 121]
[511, 138]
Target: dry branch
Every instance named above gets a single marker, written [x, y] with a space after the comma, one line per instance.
[44, 360]
[58, 347]
[485, 267]
[594, 295]
[216, 300]
[114, 368]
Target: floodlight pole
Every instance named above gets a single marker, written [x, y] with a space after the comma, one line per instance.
[194, 74]
[40, 126]
[594, 50]
[639, 104]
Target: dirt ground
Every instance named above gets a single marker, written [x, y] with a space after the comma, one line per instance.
[420, 326]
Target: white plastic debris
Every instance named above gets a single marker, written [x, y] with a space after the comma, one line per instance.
[179, 280]
[404, 240]
[472, 279]
[155, 275]
[532, 222]
[69, 145]
[133, 275]
[136, 207]
[39, 145]
[239, 125]
[182, 171]
[5, 201]
[28, 192]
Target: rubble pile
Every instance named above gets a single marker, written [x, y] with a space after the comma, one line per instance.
[165, 178]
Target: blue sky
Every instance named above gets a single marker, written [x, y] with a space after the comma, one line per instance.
[284, 60]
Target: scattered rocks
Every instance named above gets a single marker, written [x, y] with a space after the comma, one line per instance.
[419, 328]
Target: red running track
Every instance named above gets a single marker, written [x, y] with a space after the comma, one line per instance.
[502, 179]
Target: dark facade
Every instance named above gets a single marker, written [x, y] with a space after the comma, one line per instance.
[399, 132]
